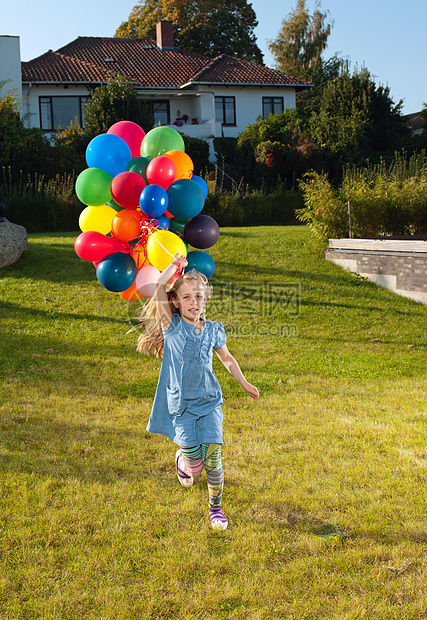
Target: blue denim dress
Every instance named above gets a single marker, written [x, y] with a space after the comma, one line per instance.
[187, 404]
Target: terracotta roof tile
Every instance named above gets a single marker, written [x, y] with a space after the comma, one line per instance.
[229, 70]
[95, 59]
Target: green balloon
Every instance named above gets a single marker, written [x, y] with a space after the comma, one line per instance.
[139, 165]
[160, 140]
[93, 187]
[177, 225]
[113, 204]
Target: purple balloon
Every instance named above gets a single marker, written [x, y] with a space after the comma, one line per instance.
[201, 232]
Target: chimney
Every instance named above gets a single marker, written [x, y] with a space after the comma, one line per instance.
[164, 35]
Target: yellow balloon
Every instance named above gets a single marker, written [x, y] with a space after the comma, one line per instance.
[162, 246]
[97, 218]
[183, 164]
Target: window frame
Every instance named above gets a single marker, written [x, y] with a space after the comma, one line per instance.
[152, 102]
[49, 102]
[272, 99]
[224, 115]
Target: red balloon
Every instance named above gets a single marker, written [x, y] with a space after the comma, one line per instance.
[127, 224]
[126, 189]
[161, 171]
[121, 246]
[131, 133]
[93, 246]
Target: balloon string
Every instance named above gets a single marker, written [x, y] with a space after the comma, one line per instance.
[148, 227]
[167, 251]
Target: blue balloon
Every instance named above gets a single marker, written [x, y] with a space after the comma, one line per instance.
[108, 152]
[186, 199]
[200, 261]
[202, 184]
[116, 272]
[153, 200]
[162, 222]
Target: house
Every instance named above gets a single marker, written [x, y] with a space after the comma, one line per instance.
[415, 123]
[204, 98]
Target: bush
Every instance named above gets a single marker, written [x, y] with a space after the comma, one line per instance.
[383, 200]
[198, 151]
[23, 149]
[225, 149]
[254, 208]
[270, 151]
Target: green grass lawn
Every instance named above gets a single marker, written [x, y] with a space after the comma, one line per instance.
[325, 474]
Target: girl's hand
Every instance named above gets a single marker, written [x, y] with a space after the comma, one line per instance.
[180, 261]
[251, 390]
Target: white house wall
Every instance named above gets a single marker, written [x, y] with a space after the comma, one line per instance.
[249, 104]
[199, 105]
[10, 64]
[32, 92]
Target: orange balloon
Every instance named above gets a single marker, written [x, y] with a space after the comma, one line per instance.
[131, 294]
[183, 164]
[127, 225]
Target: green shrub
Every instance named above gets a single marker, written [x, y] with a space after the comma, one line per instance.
[225, 149]
[382, 200]
[198, 151]
[254, 208]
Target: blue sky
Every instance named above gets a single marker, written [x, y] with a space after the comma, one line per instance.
[389, 37]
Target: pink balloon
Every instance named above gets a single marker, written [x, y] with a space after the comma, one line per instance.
[126, 188]
[131, 133]
[145, 281]
[93, 246]
[161, 171]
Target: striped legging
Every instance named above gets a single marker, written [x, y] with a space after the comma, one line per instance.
[207, 455]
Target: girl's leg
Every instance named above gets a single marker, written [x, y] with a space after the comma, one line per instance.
[189, 464]
[212, 462]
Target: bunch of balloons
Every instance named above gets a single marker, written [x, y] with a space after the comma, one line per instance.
[143, 206]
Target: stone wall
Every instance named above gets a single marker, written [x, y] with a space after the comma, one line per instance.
[398, 265]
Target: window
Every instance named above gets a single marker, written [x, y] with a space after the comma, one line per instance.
[159, 110]
[272, 105]
[60, 112]
[225, 110]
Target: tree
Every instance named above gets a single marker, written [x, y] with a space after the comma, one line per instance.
[355, 101]
[309, 100]
[301, 41]
[112, 102]
[208, 27]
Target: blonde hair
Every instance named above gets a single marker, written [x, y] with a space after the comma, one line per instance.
[150, 341]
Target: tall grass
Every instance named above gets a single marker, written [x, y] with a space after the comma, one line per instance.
[382, 199]
[40, 204]
[325, 473]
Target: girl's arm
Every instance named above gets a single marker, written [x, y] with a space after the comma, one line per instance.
[162, 302]
[234, 369]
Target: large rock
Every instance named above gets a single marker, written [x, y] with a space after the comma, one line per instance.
[13, 242]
